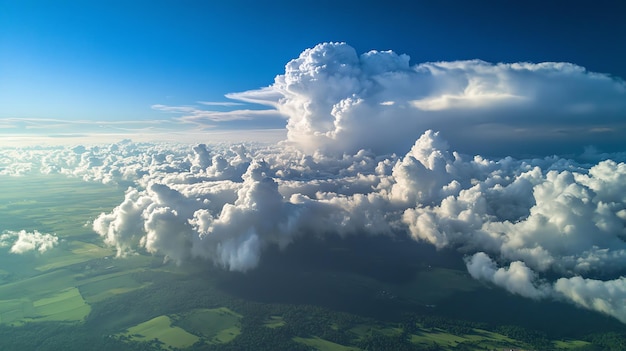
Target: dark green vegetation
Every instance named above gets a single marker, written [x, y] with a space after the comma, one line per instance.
[331, 295]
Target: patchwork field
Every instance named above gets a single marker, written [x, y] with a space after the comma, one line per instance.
[66, 305]
[274, 322]
[71, 253]
[49, 286]
[216, 326]
[477, 340]
[161, 329]
[324, 345]
[103, 286]
[53, 203]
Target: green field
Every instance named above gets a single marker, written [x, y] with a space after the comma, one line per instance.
[41, 287]
[479, 339]
[103, 286]
[66, 305]
[54, 203]
[72, 253]
[274, 322]
[218, 325]
[160, 328]
[570, 344]
[324, 345]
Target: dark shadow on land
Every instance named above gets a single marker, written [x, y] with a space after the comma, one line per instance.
[361, 275]
[387, 259]
[497, 307]
[353, 274]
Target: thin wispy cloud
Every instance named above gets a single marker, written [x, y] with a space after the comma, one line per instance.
[51, 122]
[220, 103]
[23, 131]
[210, 118]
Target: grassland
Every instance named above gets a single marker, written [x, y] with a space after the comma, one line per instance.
[570, 344]
[53, 203]
[74, 252]
[216, 326]
[66, 305]
[104, 286]
[324, 345]
[274, 322]
[160, 328]
[43, 287]
[478, 339]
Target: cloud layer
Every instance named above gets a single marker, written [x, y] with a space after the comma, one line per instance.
[540, 228]
[360, 159]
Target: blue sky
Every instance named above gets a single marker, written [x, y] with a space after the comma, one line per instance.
[115, 60]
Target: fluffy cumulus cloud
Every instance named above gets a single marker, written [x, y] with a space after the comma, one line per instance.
[517, 278]
[361, 160]
[23, 241]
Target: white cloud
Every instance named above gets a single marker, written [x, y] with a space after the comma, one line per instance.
[547, 227]
[338, 101]
[220, 103]
[227, 203]
[208, 118]
[603, 296]
[517, 278]
[23, 241]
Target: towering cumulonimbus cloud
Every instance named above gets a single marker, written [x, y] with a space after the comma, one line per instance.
[362, 159]
[338, 101]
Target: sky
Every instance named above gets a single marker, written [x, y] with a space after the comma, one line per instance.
[113, 67]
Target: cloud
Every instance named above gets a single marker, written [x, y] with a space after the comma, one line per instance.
[202, 117]
[220, 103]
[603, 296]
[210, 119]
[360, 159]
[23, 241]
[50, 131]
[227, 203]
[517, 278]
[339, 101]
